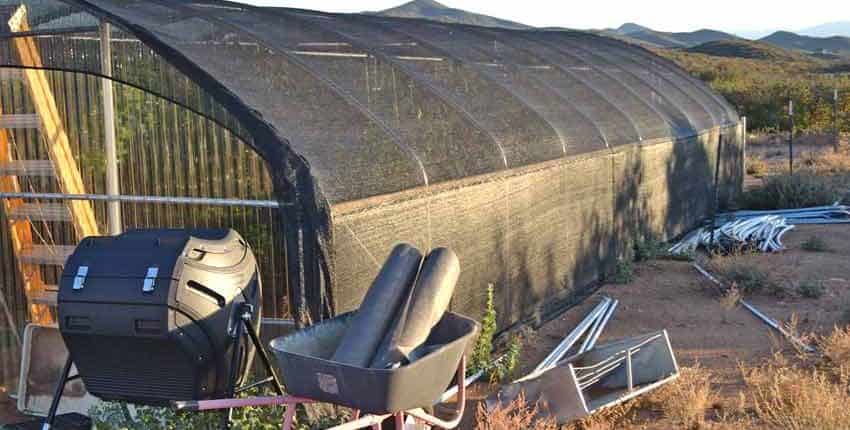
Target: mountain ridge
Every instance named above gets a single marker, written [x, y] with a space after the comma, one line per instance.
[430, 9]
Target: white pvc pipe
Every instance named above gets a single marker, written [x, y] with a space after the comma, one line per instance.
[595, 336]
[571, 339]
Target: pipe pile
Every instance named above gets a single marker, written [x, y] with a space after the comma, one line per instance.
[832, 214]
[763, 233]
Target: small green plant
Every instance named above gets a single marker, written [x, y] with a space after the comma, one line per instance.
[482, 352]
[815, 244]
[810, 289]
[624, 272]
[118, 416]
[750, 279]
[505, 367]
[649, 249]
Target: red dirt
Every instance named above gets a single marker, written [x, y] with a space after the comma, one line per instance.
[672, 295]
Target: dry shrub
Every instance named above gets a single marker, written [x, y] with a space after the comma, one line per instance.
[513, 416]
[799, 190]
[829, 162]
[756, 166]
[730, 298]
[686, 400]
[836, 352]
[788, 396]
[613, 418]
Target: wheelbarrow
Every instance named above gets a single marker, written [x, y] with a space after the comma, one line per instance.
[373, 395]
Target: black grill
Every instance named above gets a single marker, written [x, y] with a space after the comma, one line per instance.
[150, 316]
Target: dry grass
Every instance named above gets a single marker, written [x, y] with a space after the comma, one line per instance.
[686, 401]
[828, 162]
[802, 392]
[513, 416]
[789, 396]
[836, 352]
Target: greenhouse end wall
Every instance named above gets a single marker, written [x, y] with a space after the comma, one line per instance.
[541, 233]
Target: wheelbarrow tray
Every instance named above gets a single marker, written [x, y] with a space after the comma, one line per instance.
[304, 361]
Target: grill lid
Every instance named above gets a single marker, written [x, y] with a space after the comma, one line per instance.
[140, 266]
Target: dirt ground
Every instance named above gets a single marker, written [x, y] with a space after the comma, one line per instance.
[671, 295]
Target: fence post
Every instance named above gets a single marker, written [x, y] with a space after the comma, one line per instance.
[112, 185]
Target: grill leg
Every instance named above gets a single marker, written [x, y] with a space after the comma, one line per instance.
[264, 356]
[235, 364]
[57, 396]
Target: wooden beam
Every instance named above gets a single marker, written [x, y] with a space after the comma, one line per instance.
[20, 232]
[59, 147]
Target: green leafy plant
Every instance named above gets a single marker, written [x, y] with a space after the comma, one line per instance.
[624, 272]
[810, 289]
[815, 244]
[504, 368]
[482, 353]
[481, 357]
[750, 279]
[120, 416]
[647, 249]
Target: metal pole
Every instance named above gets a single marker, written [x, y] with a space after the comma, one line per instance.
[112, 186]
[57, 395]
[716, 202]
[203, 201]
[791, 137]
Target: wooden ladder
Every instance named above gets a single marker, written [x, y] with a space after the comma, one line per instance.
[32, 251]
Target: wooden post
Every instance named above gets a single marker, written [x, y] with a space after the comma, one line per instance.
[112, 185]
[58, 145]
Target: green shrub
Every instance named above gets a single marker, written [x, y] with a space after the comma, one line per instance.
[117, 416]
[789, 192]
[814, 244]
[649, 249]
[482, 353]
[481, 358]
[624, 272]
[810, 289]
[505, 367]
[750, 279]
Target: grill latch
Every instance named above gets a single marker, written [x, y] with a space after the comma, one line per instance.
[80, 278]
[150, 280]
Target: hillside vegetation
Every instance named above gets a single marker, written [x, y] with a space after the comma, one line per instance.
[740, 48]
[758, 80]
[788, 40]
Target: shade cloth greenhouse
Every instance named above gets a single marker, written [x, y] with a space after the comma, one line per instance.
[538, 155]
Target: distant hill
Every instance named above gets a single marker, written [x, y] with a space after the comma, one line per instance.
[788, 40]
[841, 28]
[430, 9]
[659, 39]
[739, 48]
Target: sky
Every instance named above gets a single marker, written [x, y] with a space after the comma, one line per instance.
[737, 16]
